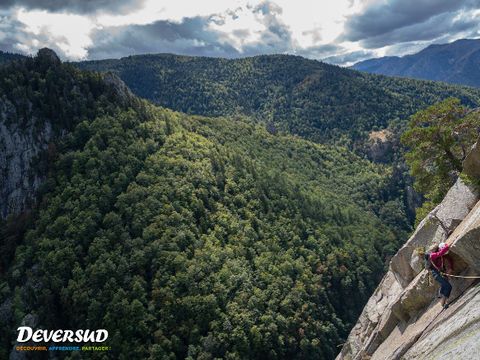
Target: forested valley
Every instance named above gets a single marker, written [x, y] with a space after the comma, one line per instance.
[246, 222]
[309, 98]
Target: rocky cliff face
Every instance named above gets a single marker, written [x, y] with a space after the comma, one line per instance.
[23, 137]
[20, 144]
[26, 137]
[404, 319]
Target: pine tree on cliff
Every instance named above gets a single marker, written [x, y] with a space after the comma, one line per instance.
[438, 139]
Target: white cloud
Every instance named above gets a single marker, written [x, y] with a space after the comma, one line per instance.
[316, 29]
[304, 17]
[172, 10]
[70, 33]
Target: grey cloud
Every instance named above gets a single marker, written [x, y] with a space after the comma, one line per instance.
[234, 13]
[191, 36]
[194, 36]
[268, 8]
[277, 36]
[12, 33]
[315, 33]
[439, 27]
[407, 48]
[349, 58]
[386, 17]
[320, 51]
[473, 33]
[76, 6]
[220, 19]
[241, 33]
[15, 38]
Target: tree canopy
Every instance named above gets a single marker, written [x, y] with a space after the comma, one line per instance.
[191, 237]
[315, 100]
[439, 139]
[206, 237]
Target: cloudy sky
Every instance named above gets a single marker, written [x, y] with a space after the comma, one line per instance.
[338, 31]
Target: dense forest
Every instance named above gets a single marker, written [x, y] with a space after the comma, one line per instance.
[187, 236]
[318, 101]
[438, 140]
[291, 94]
[6, 57]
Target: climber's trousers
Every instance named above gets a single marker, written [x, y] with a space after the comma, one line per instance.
[445, 288]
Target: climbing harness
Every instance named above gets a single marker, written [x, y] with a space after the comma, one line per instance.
[450, 275]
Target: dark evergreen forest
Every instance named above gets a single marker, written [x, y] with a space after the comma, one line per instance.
[197, 237]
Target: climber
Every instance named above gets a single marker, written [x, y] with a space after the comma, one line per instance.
[434, 259]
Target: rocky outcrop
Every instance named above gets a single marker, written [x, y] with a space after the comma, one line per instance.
[466, 239]
[31, 321]
[434, 228]
[23, 138]
[376, 320]
[20, 144]
[454, 335]
[404, 319]
[122, 92]
[379, 144]
[48, 57]
[471, 164]
[456, 205]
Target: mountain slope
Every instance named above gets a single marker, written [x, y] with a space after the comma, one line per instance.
[455, 63]
[40, 99]
[184, 235]
[318, 101]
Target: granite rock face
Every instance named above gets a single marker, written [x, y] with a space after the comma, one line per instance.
[456, 205]
[429, 230]
[379, 145]
[21, 142]
[471, 164]
[376, 318]
[121, 90]
[404, 319]
[466, 239]
[434, 228]
[30, 321]
[455, 335]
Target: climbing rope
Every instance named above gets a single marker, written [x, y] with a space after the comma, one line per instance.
[450, 275]
[463, 277]
[418, 337]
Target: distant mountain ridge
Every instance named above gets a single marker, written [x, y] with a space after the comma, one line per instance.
[315, 100]
[456, 63]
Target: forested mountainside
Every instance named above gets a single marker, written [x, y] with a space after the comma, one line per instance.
[184, 236]
[457, 63]
[6, 57]
[40, 99]
[318, 101]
